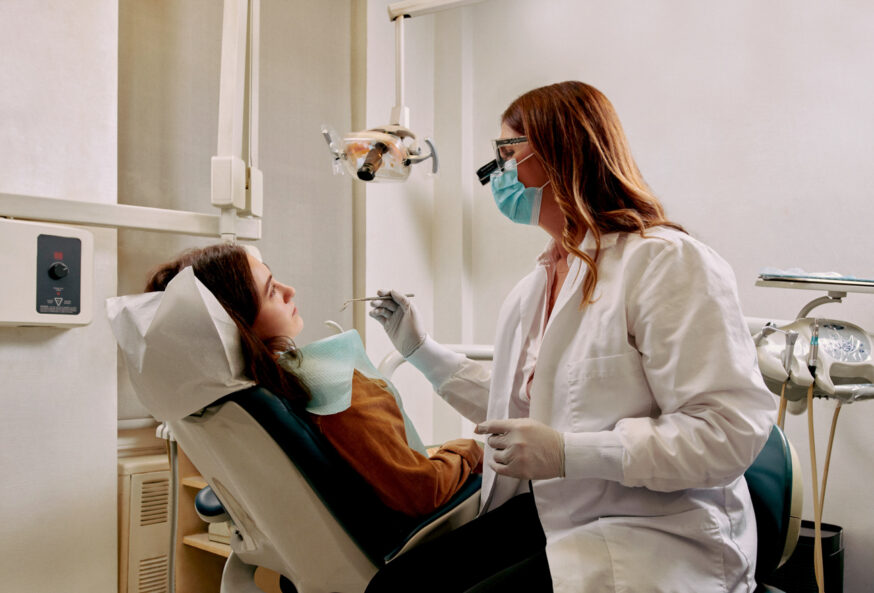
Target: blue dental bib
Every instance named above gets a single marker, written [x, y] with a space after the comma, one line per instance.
[327, 367]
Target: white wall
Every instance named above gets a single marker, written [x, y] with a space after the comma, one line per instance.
[58, 74]
[751, 121]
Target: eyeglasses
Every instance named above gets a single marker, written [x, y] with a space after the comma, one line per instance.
[506, 149]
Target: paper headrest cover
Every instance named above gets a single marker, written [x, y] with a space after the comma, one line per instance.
[181, 348]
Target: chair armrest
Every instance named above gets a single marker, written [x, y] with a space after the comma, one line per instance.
[463, 507]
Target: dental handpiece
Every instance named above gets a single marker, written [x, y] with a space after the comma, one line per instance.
[791, 338]
[813, 355]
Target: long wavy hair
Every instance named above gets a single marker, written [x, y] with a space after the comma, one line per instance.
[224, 269]
[574, 131]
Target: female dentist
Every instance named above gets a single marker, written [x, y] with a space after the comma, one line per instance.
[625, 401]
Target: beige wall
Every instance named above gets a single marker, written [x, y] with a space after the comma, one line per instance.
[168, 108]
[58, 65]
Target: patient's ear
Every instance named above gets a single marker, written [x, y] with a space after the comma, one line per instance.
[181, 348]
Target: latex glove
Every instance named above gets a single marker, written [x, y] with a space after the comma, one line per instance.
[524, 448]
[400, 319]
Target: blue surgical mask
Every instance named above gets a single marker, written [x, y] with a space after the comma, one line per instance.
[515, 201]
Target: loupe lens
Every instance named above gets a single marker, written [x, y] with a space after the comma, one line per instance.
[484, 173]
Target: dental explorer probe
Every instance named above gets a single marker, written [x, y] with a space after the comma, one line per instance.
[372, 298]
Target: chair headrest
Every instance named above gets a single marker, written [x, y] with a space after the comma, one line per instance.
[181, 348]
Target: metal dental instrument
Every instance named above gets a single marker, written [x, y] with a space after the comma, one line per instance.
[373, 298]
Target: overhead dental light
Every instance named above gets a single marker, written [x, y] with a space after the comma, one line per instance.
[387, 152]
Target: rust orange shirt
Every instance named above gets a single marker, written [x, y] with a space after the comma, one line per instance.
[370, 436]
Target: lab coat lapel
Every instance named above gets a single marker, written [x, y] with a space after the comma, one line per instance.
[542, 386]
[528, 308]
[565, 318]
[571, 291]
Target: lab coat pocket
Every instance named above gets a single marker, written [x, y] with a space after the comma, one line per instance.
[603, 390]
[679, 553]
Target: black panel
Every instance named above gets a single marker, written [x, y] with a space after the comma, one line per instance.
[58, 275]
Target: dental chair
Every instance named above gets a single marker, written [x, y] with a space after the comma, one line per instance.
[774, 481]
[296, 507]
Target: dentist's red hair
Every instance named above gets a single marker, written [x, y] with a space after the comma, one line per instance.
[575, 132]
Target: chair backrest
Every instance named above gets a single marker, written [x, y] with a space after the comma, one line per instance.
[301, 510]
[774, 481]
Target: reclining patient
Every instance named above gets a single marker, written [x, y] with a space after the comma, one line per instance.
[367, 426]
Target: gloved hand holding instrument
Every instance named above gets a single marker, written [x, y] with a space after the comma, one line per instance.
[400, 319]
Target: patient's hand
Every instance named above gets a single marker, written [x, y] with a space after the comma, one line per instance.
[469, 449]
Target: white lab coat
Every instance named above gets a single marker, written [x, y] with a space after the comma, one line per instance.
[657, 391]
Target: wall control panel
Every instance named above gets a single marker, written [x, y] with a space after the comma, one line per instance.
[58, 275]
[47, 272]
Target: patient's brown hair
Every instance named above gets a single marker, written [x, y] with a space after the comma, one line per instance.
[224, 269]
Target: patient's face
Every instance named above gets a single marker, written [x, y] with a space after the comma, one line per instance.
[278, 315]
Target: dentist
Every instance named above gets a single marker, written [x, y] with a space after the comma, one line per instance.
[624, 403]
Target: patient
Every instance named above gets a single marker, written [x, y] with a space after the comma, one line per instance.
[369, 434]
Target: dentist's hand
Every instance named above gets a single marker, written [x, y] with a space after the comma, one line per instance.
[524, 448]
[400, 319]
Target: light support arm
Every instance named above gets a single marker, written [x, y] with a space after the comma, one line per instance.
[255, 178]
[123, 216]
[236, 185]
[400, 113]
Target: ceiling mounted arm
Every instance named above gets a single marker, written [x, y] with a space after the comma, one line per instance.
[414, 8]
[400, 113]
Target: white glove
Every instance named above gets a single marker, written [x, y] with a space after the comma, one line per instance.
[524, 448]
[400, 320]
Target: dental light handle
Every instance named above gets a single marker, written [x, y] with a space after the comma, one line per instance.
[435, 163]
[332, 144]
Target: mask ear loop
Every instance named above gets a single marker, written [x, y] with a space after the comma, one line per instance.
[524, 159]
[548, 181]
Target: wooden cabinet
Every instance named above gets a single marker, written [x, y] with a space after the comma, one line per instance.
[199, 561]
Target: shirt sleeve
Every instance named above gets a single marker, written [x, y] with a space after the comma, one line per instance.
[370, 436]
[714, 411]
[462, 382]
